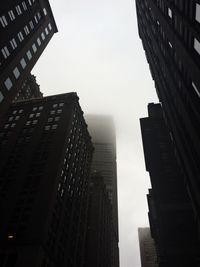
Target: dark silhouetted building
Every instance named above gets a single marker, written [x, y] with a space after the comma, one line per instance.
[147, 248]
[170, 33]
[26, 27]
[99, 225]
[29, 89]
[102, 131]
[171, 217]
[45, 158]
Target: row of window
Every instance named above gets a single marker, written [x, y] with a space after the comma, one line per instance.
[17, 11]
[16, 72]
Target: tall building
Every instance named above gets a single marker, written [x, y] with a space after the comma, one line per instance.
[170, 33]
[29, 89]
[99, 225]
[45, 158]
[147, 248]
[171, 217]
[26, 27]
[102, 131]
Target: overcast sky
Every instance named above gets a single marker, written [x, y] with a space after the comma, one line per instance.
[98, 54]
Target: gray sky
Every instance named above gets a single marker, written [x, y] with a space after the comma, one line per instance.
[98, 54]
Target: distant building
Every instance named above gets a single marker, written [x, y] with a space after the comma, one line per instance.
[45, 158]
[26, 27]
[147, 248]
[172, 221]
[170, 33]
[99, 226]
[29, 89]
[102, 131]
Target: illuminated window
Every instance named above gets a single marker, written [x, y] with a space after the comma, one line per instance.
[30, 2]
[49, 25]
[36, 20]
[26, 29]
[20, 36]
[29, 55]
[3, 21]
[34, 48]
[11, 15]
[23, 63]
[170, 12]
[45, 11]
[31, 24]
[5, 52]
[16, 73]
[46, 31]
[195, 88]
[24, 5]
[10, 236]
[43, 36]
[8, 83]
[197, 15]
[18, 9]
[38, 41]
[13, 43]
[197, 45]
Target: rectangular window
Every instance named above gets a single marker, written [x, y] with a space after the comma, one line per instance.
[169, 12]
[5, 52]
[3, 21]
[1, 97]
[20, 36]
[23, 63]
[34, 48]
[24, 5]
[8, 83]
[29, 55]
[43, 36]
[49, 25]
[36, 20]
[195, 88]
[197, 45]
[16, 73]
[11, 15]
[13, 43]
[39, 16]
[46, 31]
[38, 41]
[30, 2]
[197, 15]
[26, 29]
[18, 9]
[45, 11]
[31, 24]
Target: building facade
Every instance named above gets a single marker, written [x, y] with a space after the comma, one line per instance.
[26, 27]
[99, 225]
[45, 158]
[147, 248]
[29, 89]
[102, 131]
[172, 221]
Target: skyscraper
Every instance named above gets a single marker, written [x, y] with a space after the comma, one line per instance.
[99, 225]
[26, 27]
[29, 89]
[170, 33]
[147, 248]
[102, 131]
[45, 158]
[171, 217]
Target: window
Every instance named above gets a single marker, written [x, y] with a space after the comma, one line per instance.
[18, 9]
[50, 119]
[43, 36]
[5, 52]
[46, 31]
[13, 43]
[197, 15]
[197, 45]
[30, 2]
[20, 36]
[45, 11]
[26, 29]
[3, 21]
[34, 48]
[195, 88]
[31, 24]
[39, 16]
[38, 41]
[36, 20]
[24, 5]
[29, 55]
[16, 73]
[8, 83]
[49, 25]
[23, 63]
[11, 15]
[169, 12]
[1, 97]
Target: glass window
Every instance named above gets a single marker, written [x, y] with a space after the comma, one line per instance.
[45, 11]
[24, 5]
[30, 2]
[34, 48]
[195, 88]
[8, 83]
[36, 20]
[31, 115]
[20, 36]
[47, 128]
[1, 97]
[43, 36]
[49, 25]
[16, 73]
[35, 108]
[170, 12]
[29, 55]
[46, 31]
[23, 63]
[197, 15]
[18, 9]
[41, 108]
[31, 24]
[26, 29]
[197, 45]
[13, 43]
[11, 15]
[38, 41]
[3, 21]
[5, 52]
